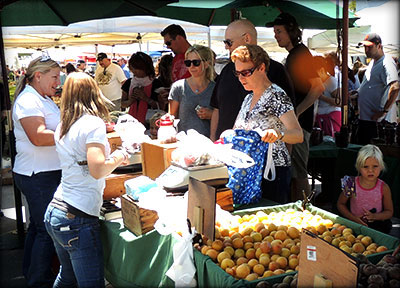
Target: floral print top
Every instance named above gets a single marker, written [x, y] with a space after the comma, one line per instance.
[265, 115]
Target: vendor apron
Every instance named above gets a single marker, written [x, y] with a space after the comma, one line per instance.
[245, 183]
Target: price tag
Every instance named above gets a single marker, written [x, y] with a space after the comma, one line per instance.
[311, 253]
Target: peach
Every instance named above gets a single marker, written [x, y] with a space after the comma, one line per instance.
[217, 245]
[279, 271]
[321, 229]
[252, 263]
[264, 260]
[258, 253]
[285, 252]
[251, 277]
[204, 249]
[230, 271]
[238, 253]
[371, 247]
[259, 226]
[256, 245]
[257, 237]
[282, 227]
[265, 247]
[274, 257]
[282, 262]
[247, 238]
[281, 235]
[248, 245]
[273, 266]
[224, 232]
[241, 260]
[268, 273]
[242, 271]
[264, 232]
[227, 263]
[223, 255]
[358, 248]
[381, 249]
[246, 231]
[250, 253]
[237, 243]
[269, 239]
[293, 263]
[259, 269]
[366, 241]
[236, 235]
[230, 250]
[272, 227]
[291, 256]
[212, 253]
[287, 243]
[293, 232]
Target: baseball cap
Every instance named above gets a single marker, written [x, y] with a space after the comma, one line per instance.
[101, 56]
[282, 19]
[80, 61]
[370, 39]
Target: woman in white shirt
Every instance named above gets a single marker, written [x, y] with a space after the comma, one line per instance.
[37, 168]
[72, 216]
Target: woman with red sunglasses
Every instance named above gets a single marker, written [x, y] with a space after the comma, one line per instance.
[267, 108]
[189, 99]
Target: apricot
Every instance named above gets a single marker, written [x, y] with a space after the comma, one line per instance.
[247, 238]
[230, 271]
[246, 231]
[251, 277]
[224, 232]
[217, 245]
[328, 239]
[269, 239]
[265, 247]
[276, 248]
[212, 253]
[258, 252]
[368, 252]
[347, 230]
[274, 257]
[366, 241]
[350, 237]
[288, 243]
[238, 253]
[236, 235]
[321, 229]
[256, 245]
[272, 227]
[371, 247]
[259, 226]
[335, 242]
[204, 249]
[268, 273]
[248, 245]
[223, 255]
[259, 269]
[227, 263]
[285, 252]
[241, 260]
[252, 263]
[242, 271]
[273, 266]
[237, 243]
[230, 250]
[291, 256]
[279, 271]
[293, 232]
[358, 248]
[282, 228]
[264, 232]
[282, 262]
[280, 235]
[250, 253]
[257, 237]
[264, 260]
[381, 249]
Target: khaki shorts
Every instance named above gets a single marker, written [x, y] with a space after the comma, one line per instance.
[299, 155]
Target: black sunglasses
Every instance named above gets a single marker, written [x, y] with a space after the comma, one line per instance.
[245, 73]
[168, 43]
[229, 42]
[195, 62]
[45, 56]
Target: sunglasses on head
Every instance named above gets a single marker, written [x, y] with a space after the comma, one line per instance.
[245, 73]
[45, 56]
[195, 62]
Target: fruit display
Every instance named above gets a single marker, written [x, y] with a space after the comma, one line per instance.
[260, 245]
[386, 273]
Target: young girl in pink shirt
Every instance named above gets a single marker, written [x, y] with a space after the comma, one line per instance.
[370, 198]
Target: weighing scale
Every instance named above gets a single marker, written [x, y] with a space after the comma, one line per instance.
[177, 177]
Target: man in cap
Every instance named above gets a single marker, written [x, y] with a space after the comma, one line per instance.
[378, 90]
[175, 39]
[81, 65]
[110, 77]
[308, 87]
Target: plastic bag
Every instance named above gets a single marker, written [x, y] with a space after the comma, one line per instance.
[132, 133]
[182, 271]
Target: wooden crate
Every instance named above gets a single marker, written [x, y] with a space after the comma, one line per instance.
[156, 158]
[137, 219]
[115, 184]
[114, 140]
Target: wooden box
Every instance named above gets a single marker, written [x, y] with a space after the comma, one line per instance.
[138, 220]
[114, 140]
[115, 184]
[156, 158]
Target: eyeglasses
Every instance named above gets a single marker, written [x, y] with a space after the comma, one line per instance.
[245, 73]
[229, 42]
[168, 43]
[195, 62]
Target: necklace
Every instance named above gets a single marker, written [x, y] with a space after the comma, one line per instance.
[197, 91]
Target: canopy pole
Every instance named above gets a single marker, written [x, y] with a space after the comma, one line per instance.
[345, 72]
[11, 137]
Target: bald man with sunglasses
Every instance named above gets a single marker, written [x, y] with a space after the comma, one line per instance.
[229, 93]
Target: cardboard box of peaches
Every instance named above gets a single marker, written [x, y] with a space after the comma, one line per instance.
[264, 244]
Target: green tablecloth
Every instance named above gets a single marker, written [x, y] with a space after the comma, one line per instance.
[131, 261]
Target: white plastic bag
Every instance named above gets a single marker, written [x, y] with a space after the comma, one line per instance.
[131, 132]
[183, 270]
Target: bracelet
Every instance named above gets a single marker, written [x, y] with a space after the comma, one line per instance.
[385, 111]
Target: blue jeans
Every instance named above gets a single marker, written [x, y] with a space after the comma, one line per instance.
[39, 249]
[79, 249]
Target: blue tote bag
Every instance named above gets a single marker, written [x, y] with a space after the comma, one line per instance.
[245, 183]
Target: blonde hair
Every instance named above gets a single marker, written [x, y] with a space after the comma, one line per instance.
[36, 65]
[253, 53]
[369, 151]
[205, 54]
[81, 95]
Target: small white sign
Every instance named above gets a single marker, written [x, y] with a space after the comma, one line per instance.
[311, 253]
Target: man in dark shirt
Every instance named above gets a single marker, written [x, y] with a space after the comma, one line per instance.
[229, 93]
[308, 87]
